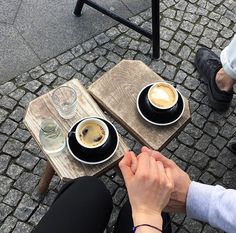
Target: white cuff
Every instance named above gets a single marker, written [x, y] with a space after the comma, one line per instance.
[198, 201]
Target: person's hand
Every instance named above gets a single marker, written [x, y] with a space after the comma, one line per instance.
[182, 182]
[149, 186]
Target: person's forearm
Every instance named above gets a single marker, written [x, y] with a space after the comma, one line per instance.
[151, 219]
[213, 204]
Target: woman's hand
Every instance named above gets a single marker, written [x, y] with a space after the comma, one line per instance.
[149, 187]
[181, 179]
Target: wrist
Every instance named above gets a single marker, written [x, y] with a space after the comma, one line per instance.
[153, 219]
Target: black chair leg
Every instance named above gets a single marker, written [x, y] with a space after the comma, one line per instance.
[156, 28]
[78, 7]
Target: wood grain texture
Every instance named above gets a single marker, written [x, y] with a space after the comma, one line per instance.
[117, 90]
[63, 163]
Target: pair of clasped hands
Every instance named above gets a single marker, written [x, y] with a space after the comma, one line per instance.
[155, 184]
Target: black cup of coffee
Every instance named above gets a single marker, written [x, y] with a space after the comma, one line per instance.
[91, 133]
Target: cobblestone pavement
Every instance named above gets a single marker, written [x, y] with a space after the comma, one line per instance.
[202, 147]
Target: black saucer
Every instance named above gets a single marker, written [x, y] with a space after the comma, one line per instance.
[150, 114]
[97, 155]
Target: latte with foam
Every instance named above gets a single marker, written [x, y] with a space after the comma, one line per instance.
[162, 95]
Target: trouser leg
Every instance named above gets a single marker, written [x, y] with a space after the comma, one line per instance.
[125, 222]
[83, 206]
[228, 59]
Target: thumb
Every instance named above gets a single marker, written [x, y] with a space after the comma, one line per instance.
[125, 166]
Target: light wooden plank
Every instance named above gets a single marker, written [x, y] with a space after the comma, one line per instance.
[64, 164]
[117, 90]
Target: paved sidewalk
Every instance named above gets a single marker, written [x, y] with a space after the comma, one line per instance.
[33, 31]
[201, 149]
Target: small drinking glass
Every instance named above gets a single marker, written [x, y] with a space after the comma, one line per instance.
[51, 136]
[65, 101]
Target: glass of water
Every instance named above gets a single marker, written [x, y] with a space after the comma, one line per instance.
[65, 101]
[51, 136]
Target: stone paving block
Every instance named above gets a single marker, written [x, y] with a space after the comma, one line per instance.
[26, 182]
[90, 56]
[101, 38]
[65, 71]
[209, 229]
[27, 160]
[204, 110]
[14, 171]
[58, 82]
[8, 224]
[17, 94]
[7, 88]
[78, 50]
[123, 41]
[227, 158]
[43, 90]
[49, 198]
[21, 135]
[48, 78]
[50, 65]
[114, 215]
[13, 147]
[227, 131]
[8, 127]
[186, 139]
[22, 79]
[90, 70]
[185, 92]
[4, 162]
[26, 99]
[119, 180]
[230, 178]
[212, 151]
[89, 45]
[179, 162]
[216, 168]
[207, 178]
[192, 225]
[198, 120]
[33, 85]
[119, 195]
[112, 33]
[38, 214]
[5, 184]
[5, 210]
[17, 114]
[65, 57]
[36, 72]
[78, 64]
[183, 152]
[13, 197]
[173, 145]
[33, 147]
[3, 115]
[199, 159]
[3, 139]
[211, 129]
[203, 143]
[111, 186]
[7, 103]
[22, 227]
[113, 57]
